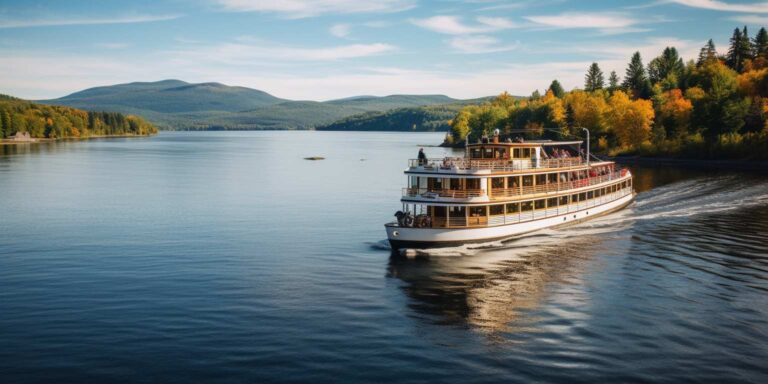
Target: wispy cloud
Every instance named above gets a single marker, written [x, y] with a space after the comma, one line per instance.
[760, 7]
[246, 51]
[112, 45]
[480, 44]
[5, 23]
[310, 8]
[751, 19]
[340, 30]
[453, 25]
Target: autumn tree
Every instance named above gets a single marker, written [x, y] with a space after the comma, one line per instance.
[630, 120]
[593, 80]
[675, 114]
[587, 110]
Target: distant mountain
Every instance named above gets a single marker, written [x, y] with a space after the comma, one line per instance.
[175, 104]
[428, 118]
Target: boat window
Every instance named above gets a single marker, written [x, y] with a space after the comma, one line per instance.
[497, 209]
[455, 183]
[541, 179]
[528, 181]
[513, 181]
[488, 153]
[582, 196]
[590, 195]
[497, 182]
[473, 183]
[540, 204]
[516, 153]
[575, 198]
[526, 153]
[434, 183]
[457, 211]
[526, 206]
[475, 153]
[477, 211]
[552, 202]
[414, 181]
[513, 207]
[563, 200]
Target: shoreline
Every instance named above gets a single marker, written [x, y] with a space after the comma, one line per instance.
[49, 140]
[709, 165]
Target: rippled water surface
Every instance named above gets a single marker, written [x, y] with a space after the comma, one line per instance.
[226, 257]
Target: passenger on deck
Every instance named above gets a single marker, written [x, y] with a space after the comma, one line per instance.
[422, 157]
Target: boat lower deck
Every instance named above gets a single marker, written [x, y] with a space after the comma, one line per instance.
[420, 238]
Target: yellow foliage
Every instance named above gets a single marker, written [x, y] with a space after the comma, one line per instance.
[630, 120]
[589, 110]
[749, 82]
[677, 110]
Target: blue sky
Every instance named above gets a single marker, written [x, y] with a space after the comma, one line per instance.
[326, 49]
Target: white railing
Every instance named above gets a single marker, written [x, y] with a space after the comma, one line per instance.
[450, 164]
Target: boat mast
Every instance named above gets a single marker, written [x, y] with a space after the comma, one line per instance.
[587, 130]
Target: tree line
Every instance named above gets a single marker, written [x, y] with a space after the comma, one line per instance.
[47, 121]
[711, 107]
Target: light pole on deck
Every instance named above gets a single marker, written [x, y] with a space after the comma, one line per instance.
[587, 130]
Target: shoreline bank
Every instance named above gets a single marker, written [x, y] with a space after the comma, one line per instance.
[48, 140]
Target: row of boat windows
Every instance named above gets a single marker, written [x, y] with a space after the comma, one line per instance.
[508, 182]
[526, 206]
[501, 153]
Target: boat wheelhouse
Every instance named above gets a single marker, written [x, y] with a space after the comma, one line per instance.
[501, 189]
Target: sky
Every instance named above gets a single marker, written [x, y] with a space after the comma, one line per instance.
[328, 49]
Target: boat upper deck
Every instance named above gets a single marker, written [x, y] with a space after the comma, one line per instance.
[461, 165]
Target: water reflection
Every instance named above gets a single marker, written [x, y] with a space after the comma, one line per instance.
[499, 290]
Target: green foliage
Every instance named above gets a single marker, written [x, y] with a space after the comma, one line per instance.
[740, 49]
[557, 89]
[46, 121]
[636, 81]
[429, 118]
[613, 81]
[707, 53]
[594, 78]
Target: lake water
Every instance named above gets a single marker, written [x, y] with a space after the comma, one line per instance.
[226, 257]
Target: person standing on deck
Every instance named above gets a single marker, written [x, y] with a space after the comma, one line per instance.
[422, 157]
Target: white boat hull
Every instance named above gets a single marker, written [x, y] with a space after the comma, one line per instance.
[409, 237]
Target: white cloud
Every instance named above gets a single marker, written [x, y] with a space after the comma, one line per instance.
[452, 25]
[480, 44]
[585, 20]
[751, 19]
[761, 7]
[310, 8]
[340, 30]
[81, 21]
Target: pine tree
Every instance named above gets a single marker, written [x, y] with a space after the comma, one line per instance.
[635, 79]
[668, 64]
[739, 50]
[594, 78]
[613, 81]
[760, 44]
[535, 95]
[5, 117]
[707, 52]
[557, 89]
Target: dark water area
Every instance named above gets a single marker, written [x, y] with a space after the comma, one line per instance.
[226, 257]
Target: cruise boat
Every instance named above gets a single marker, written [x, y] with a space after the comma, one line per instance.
[501, 189]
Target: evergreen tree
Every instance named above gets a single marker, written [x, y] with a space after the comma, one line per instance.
[613, 81]
[760, 44]
[6, 119]
[570, 120]
[594, 78]
[557, 89]
[635, 80]
[739, 50]
[666, 65]
[707, 52]
[535, 95]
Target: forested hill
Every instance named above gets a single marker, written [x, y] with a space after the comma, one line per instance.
[431, 118]
[48, 121]
[175, 104]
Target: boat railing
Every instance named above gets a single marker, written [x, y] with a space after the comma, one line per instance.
[452, 164]
[500, 193]
[432, 193]
[503, 193]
